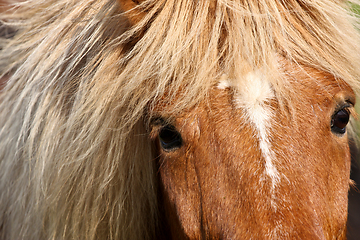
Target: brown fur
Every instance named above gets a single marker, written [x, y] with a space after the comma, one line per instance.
[215, 183]
[78, 156]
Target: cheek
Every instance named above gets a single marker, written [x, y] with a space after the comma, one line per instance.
[321, 163]
[337, 181]
[339, 173]
[207, 187]
[181, 195]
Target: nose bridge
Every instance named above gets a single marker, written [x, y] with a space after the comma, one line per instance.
[247, 195]
[253, 94]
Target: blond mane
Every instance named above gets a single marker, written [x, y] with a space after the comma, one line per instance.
[76, 162]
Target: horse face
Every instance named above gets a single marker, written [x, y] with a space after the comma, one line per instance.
[242, 165]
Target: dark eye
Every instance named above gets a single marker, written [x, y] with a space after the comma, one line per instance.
[340, 120]
[169, 138]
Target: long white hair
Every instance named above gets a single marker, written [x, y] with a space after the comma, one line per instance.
[75, 158]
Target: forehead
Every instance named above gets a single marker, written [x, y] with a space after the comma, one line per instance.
[295, 86]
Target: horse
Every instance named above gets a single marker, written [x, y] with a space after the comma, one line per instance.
[177, 119]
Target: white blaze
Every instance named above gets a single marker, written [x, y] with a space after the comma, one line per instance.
[252, 95]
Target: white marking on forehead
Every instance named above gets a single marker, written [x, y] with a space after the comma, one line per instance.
[252, 95]
[224, 82]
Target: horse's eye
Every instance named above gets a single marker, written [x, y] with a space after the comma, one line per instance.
[340, 120]
[170, 139]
